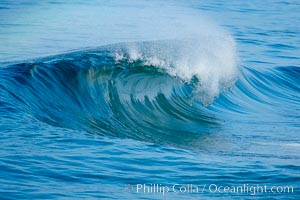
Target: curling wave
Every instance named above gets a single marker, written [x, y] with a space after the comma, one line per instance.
[151, 91]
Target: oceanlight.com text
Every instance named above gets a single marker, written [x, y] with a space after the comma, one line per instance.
[249, 189]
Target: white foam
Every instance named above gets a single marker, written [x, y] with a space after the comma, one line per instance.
[211, 58]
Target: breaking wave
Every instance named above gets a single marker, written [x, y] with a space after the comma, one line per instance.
[152, 91]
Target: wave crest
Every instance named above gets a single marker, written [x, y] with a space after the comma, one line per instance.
[208, 63]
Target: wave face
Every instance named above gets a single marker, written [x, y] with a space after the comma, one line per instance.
[150, 91]
[136, 90]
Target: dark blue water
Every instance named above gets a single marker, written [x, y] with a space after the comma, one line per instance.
[98, 98]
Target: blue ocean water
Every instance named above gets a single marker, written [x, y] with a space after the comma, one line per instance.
[98, 98]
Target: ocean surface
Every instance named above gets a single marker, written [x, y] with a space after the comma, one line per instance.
[150, 99]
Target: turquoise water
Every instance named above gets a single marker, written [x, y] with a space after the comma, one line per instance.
[99, 98]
